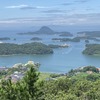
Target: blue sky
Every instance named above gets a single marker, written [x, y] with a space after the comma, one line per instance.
[49, 12]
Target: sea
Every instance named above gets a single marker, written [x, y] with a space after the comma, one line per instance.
[62, 61]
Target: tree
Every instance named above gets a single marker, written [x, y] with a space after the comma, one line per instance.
[25, 89]
[30, 82]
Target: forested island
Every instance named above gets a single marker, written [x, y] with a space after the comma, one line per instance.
[24, 82]
[75, 39]
[66, 34]
[92, 49]
[27, 48]
[36, 39]
[4, 38]
[58, 46]
[89, 33]
[87, 38]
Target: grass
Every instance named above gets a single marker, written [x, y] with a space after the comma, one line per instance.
[44, 76]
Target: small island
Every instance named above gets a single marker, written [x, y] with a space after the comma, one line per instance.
[27, 48]
[66, 34]
[4, 38]
[36, 39]
[86, 41]
[92, 49]
[75, 39]
[58, 46]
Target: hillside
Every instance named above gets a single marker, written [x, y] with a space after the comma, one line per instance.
[80, 86]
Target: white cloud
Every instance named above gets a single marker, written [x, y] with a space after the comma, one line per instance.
[8, 21]
[75, 19]
[23, 6]
[41, 7]
[19, 6]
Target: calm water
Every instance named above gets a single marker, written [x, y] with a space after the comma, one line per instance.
[61, 61]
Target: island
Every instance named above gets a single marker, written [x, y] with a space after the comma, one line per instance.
[92, 49]
[88, 38]
[27, 48]
[36, 39]
[86, 41]
[4, 38]
[89, 34]
[75, 39]
[66, 34]
[46, 31]
[58, 46]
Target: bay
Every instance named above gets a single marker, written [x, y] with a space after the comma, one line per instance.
[63, 59]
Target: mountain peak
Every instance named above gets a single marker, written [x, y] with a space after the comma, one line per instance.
[45, 30]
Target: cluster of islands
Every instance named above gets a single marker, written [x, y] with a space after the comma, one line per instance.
[36, 47]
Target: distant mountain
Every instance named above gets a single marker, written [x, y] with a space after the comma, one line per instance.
[46, 30]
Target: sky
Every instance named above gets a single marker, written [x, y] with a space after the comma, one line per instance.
[49, 12]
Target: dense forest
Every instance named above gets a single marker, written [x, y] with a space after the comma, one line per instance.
[77, 87]
[92, 49]
[28, 48]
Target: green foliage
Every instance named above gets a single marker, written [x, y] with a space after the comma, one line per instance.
[26, 89]
[92, 49]
[83, 70]
[28, 48]
[54, 75]
[90, 68]
[93, 77]
[78, 87]
[3, 72]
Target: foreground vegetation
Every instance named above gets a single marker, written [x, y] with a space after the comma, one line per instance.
[28, 48]
[81, 86]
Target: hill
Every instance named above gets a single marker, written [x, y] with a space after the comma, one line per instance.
[81, 86]
[46, 30]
